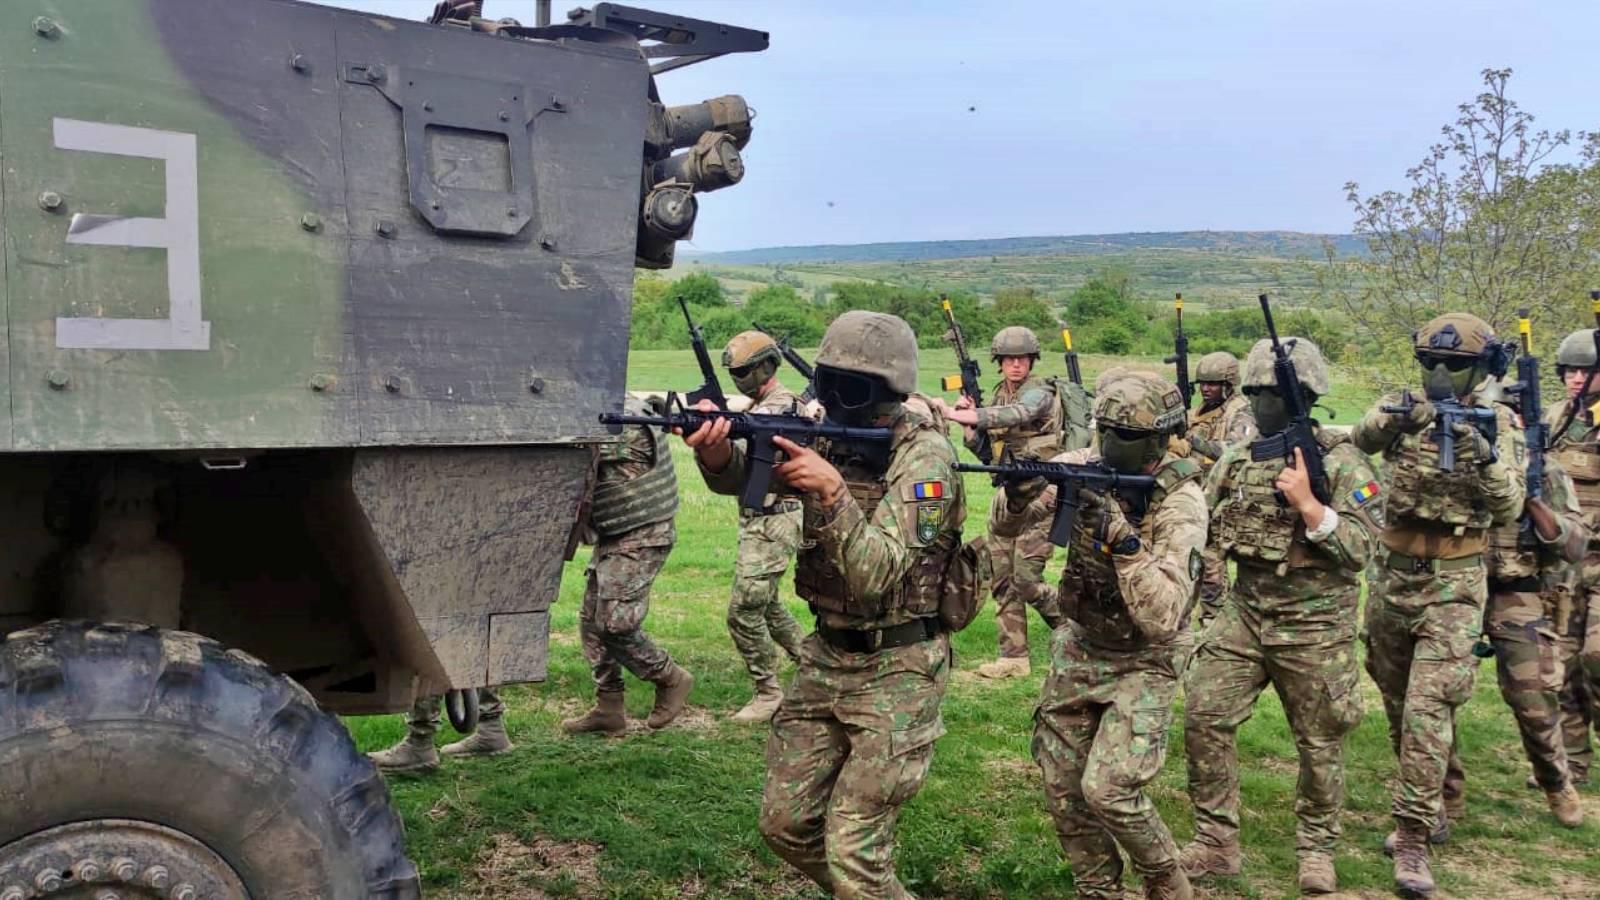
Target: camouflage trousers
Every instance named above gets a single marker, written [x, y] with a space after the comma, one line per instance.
[1316, 682]
[422, 720]
[1213, 586]
[1019, 564]
[851, 742]
[1576, 701]
[1530, 673]
[1419, 633]
[756, 615]
[1100, 736]
[610, 623]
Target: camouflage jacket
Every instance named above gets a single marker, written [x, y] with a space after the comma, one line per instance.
[1136, 601]
[1302, 588]
[1553, 560]
[1578, 451]
[1024, 416]
[1228, 424]
[630, 461]
[780, 401]
[871, 542]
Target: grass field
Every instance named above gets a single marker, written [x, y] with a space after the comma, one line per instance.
[673, 814]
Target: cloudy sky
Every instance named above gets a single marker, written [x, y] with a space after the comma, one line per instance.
[943, 120]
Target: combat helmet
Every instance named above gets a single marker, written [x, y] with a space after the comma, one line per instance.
[872, 343]
[750, 348]
[1461, 335]
[1576, 352]
[1219, 366]
[1308, 365]
[1014, 340]
[1139, 401]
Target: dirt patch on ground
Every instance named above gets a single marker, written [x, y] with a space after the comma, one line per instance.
[513, 869]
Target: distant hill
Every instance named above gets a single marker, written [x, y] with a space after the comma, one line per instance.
[1281, 244]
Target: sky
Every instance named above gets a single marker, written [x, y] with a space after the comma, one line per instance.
[938, 120]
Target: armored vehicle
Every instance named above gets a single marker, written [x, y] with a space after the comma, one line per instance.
[309, 314]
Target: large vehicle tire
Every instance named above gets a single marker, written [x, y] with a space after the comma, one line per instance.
[143, 760]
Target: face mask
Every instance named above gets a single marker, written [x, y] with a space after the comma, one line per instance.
[850, 398]
[750, 379]
[1128, 454]
[1440, 383]
[1272, 414]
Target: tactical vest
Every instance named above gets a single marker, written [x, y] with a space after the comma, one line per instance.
[1094, 599]
[822, 586]
[620, 506]
[1249, 523]
[1420, 495]
[1037, 438]
[1581, 459]
[1212, 424]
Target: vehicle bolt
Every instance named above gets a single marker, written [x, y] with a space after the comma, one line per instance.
[122, 869]
[547, 242]
[311, 222]
[320, 382]
[536, 385]
[386, 229]
[183, 892]
[13, 893]
[391, 384]
[427, 107]
[44, 26]
[86, 870]
[107, 895]
[505, 116]
[434, 204]
[47, 880]
[50, 201]
[557, 105]
[375, 73]
[511, 212]
[157, 877]
[58, 379]
[299, 63]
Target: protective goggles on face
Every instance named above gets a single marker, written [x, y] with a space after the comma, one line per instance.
[1453, 363]
[839, 390]
[1126, 434]
[742, 371]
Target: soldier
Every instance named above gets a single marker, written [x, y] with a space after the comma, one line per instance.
[630, 523]
[853, 737]
[1290, 622]
[768, 539]
[415, 752]
[1132, 567]
[1027, 421]
[1224, 421]
[1427, 591]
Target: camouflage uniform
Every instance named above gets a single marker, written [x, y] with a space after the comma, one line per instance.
[1290, 621]
[631, 521]
[1026, 420]
[423, 718]
[853, 738]
[1578, 624]
[1100, 732]
[1228, 424]
[767, 541]
[1428, 589]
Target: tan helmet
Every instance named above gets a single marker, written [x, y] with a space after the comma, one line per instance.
[1014, 341]
[1139, 400]
[747, 348]
[1218, 366]
[1454, 334]
[1576, 350]
[872, 343]
[1307, 359]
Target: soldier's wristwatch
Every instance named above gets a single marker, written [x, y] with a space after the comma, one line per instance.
[1127, 546]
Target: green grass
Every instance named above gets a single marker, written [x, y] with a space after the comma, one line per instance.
[673, 814]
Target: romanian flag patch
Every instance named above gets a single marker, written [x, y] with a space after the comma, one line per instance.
[1103, 547]
[1364, 493]
[928, 490]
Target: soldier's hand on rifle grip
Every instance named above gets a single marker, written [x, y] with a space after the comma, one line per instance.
[805, 470]
[1104, 518]
[1482, 447]
[710, 441]
[1295, 485]
[1022, 491]
[1544, 518]
[963, 402]
[1420, 417]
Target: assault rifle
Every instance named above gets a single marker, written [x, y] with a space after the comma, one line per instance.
[795, 361]
[1301, 432]
[758, 429]
[967, 381]
[1530, 406]
[1446, 415]
[712, 388]
[1069, 478]
[1072, 358]
[1180, 356]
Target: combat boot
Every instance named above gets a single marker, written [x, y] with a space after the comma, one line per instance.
[1566, 806]
[605, 718]
[1169, 885]
[1577, 777]
[414, 753]
[1006, 667]
[763, 704]
[672, 694]
[1455, 809]
[1198, 859]
[1413, 878]
[489, 739]
[1438, 836]
[1317, 875]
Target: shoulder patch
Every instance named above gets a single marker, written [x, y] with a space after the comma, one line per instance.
[1364, 493]
[924, 490]
[929, 517]
[1197, 565]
